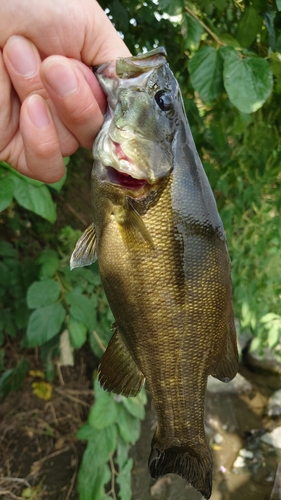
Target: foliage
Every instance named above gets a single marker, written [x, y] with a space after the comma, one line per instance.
[113, 426]
[226, 56]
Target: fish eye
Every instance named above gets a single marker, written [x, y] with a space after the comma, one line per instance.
[164, 100]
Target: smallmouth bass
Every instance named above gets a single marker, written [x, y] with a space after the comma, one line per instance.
[163, 262]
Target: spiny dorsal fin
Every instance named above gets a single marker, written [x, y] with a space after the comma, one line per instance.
[118, 371]
[132, 228]
[84, 252]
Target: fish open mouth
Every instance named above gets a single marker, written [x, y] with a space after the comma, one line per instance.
[125, 180]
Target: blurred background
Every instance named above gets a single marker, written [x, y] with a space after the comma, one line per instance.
[61, 436]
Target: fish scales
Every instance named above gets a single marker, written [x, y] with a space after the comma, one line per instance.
[163, 262]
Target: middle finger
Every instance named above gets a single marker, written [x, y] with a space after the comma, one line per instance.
[23, 62]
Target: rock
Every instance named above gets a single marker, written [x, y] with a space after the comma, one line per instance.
[273, 438]
[239, 463]
[238, 385]
[266, 362]
[273, 408]
[246, 453]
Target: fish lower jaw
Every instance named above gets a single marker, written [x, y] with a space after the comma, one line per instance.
[124, 180]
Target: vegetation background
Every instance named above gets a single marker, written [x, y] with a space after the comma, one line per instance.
[226, 56]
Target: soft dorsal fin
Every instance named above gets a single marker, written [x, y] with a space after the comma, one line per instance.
[117, 370]
[227, 366]
[132, 228]
[84, 252]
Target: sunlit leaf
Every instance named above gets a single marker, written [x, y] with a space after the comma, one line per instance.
[247, 80]
[206, 73]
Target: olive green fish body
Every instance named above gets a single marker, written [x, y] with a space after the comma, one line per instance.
[163, 262]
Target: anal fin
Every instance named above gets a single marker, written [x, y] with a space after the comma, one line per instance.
[84, 253]
[118, 371]
[227, 366]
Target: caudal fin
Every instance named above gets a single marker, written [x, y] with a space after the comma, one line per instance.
[192, 465]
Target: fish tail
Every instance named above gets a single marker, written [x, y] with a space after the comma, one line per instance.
[195, 466]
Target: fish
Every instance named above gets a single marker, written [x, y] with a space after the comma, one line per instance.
[163, 261]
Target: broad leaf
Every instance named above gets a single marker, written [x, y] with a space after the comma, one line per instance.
[206, 73]
[104, 412]
[49, 261]
[248, 81]
[102, 443]
[248, 27]
[191, 31]
[135, 407]
[129, 427]
[44, 323]
[34, 198]
[77, 333]
[81, 308]
[124, 480]
[42, 293]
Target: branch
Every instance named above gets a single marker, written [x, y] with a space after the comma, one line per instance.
[204, 26]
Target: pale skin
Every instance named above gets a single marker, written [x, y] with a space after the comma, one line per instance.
[50, 101]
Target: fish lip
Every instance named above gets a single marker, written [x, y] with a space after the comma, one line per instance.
[124, 180]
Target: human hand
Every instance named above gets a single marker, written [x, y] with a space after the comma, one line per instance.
[50, 101]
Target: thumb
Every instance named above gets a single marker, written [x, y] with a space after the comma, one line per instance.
[102, 42]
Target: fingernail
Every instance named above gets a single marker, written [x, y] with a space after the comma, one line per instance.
[61, 79]
[21, 55]
[38, 113]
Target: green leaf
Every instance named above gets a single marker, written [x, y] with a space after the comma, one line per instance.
[220, 4]
[12, 379]
[91, 481]
[122, 452]
[81, 308]
[104, 411]
[124, 480]
[4, 275]
[230, 40]
[42, 293]
[44, 323]
[34, 198]
[77, 333]
[129, 427]
[57, 186]
[191, 31]
[278, 4]
[102, 443]
[248, 81]
[248, 27]
[6, 189]
[7, 250]
[86, 432]
[49, 261]
[269, 19]
[205, 69]
[135, 407]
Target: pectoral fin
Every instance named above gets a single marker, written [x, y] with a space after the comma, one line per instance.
[132, 228]
[84, 252]
[118, 371]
